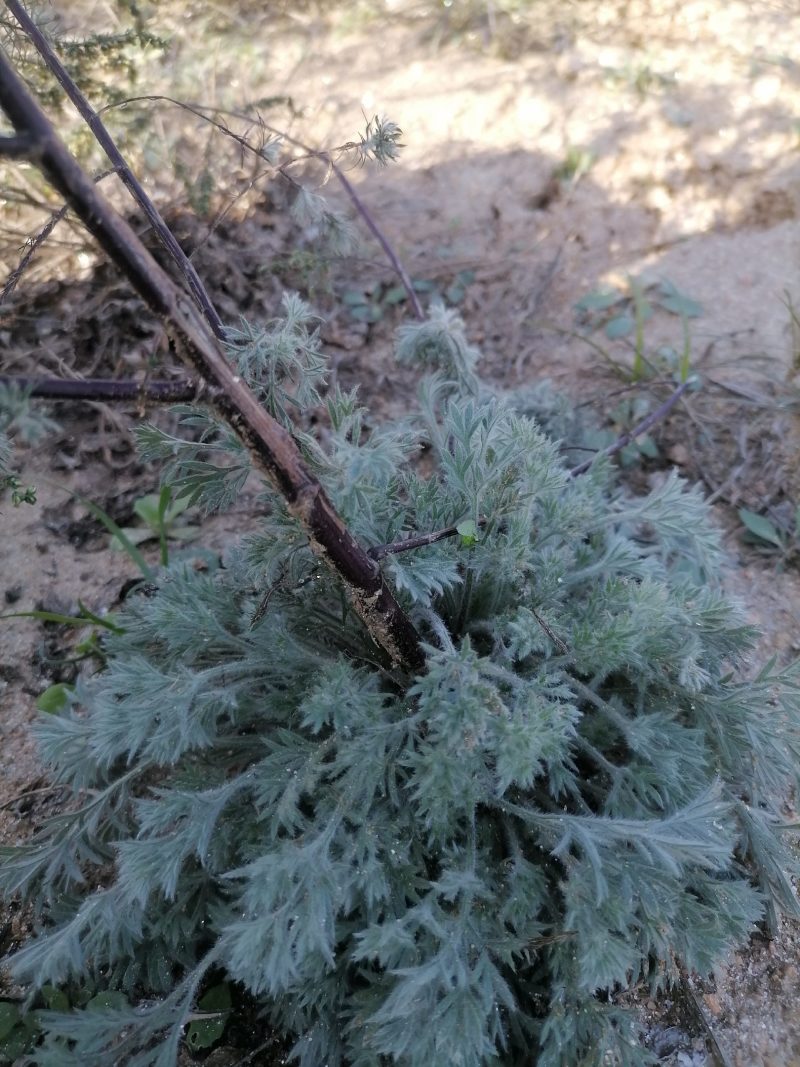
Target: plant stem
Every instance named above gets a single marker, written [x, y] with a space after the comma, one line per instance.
[406, 544]
[638, 430]
[391, 255]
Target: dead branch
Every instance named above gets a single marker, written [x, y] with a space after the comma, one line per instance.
[638, 430]
[379, 236]
[270, 445]
[36, 242]
[110, 389]
[104, 138]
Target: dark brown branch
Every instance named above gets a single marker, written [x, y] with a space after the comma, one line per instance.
[271, 446]
[638, 430]
[90, 116]
[111, 389]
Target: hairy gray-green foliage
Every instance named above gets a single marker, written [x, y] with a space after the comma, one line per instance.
[314, 213]
[209, 469]
[20, 418]
[5, 453]
[440, 342]
[579, 791]
[19, 421]
[281, 362]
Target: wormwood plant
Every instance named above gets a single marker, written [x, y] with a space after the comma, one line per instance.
[460, 866]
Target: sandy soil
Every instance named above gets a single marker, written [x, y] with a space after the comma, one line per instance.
[550, 154]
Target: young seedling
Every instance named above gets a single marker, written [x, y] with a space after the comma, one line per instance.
[624, 313]
[370, 303]
[576, 164]
[772, 538]
[159, 513]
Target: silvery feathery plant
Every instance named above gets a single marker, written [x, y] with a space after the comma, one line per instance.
[19, 418]
[579, 790]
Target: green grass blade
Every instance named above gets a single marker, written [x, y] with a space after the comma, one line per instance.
[63, 620]
[120, 535]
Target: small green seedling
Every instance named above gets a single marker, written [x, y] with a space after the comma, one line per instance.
[772, 538]
[85, 617]
[639, 77]
[55, 699]
[622, 315]
[20, 494]
[456, 291]
[89, 646]
[366, 305]
[20, 1031]
[159, 513]
[371, 303]
[468, 532]
[576, 164]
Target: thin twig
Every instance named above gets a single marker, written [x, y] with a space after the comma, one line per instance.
[30, 793]
[270, 1044]
[157, 392]
[323, 156]
[629, 388]
[261, 609]
[692, 1002]
[36, 242]
[391, 255]
[638, 430]
[30, 251]
[561, 645]
[198, 110]
[406, 544]
[721, 491]
[93, 120]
